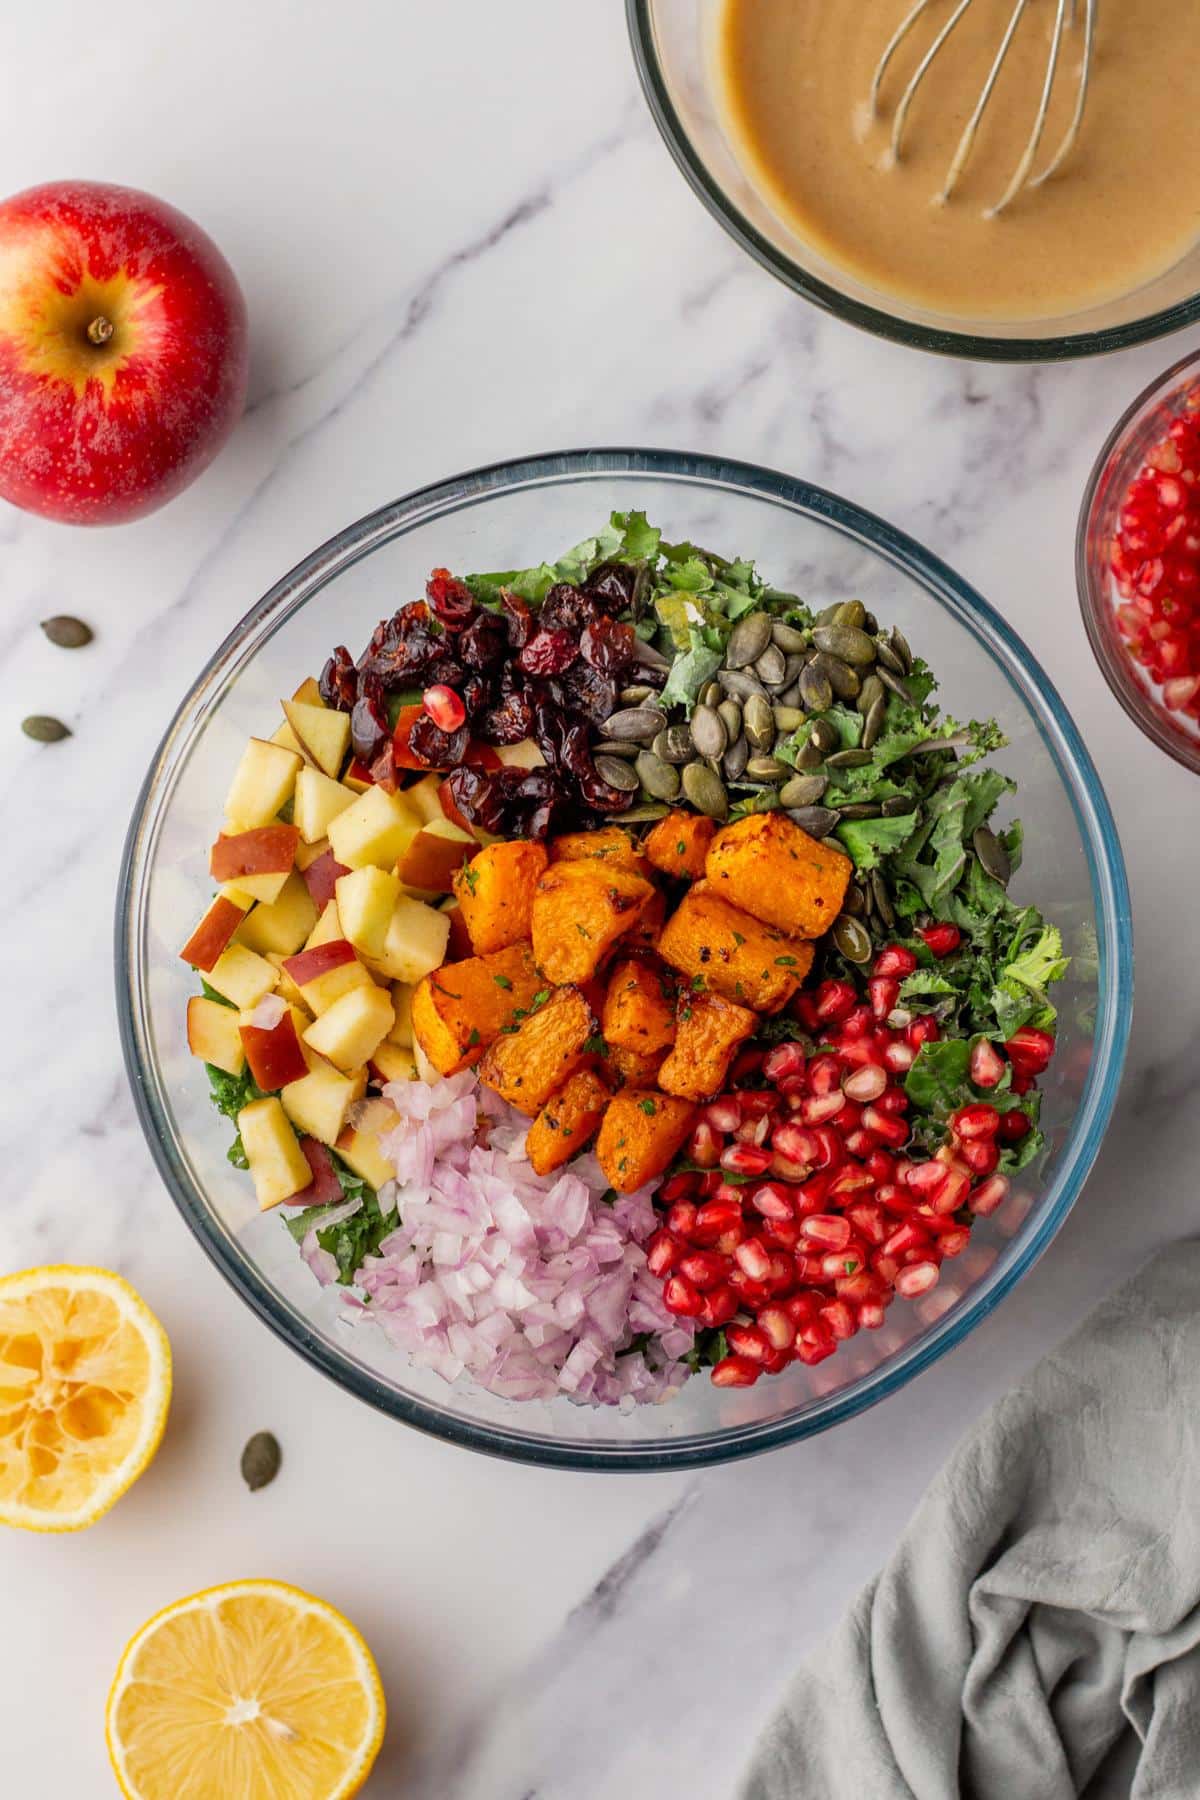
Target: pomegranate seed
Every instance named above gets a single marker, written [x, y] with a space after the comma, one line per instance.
[1030, 1050]
[710, 1184]
[895, 960]
[899, 1058]
[953, 1191]
[906, 1237]
[753, 1259]
[836, 1000]
[825, 1075]
[867, 1219]
[784, 1232]
[880, 1166]
[884, 992]
[886, 1267]
[735, 1371]
[860, 1142]
[679, 1296]
[981, 1155]
[866, 1083]
[990, 1195]
[1013, 1127]
[955, 1241]
[804, 1009]
[754, 1105]
[679, 1187]
[746, 1063]
[1022, 1084]
[444, 707]
[704, 1269]
[750, 1293]
[777, 1327]
[718, 1306]
[794, 1142]
[895, 1101]
[852, 1179]
[714, 1218]
[916, 1279]
[830, 1149]
[786, 1169]
[662, 1253]
[811, 1270]
[883, 1125]
[783, 1061]
[975, 1121]
[681, 1218]
[773, 1200]
[754, 1131]
[802, 1308]
[840, 1319]
[748, 1340]
[725, 1114]
[704, 1146]
[871, 1315]
[731, 1237]
[774, 1361]
[857, 1026]
[818, 1109]
[942, 939]
[830, 1230]
[848, 1118]
[987, 1065]
[814, 1342]
[924, 1030]
[925, 1179]
[745, 1159]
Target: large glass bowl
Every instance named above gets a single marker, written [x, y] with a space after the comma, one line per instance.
[672, 49]
[507, 516]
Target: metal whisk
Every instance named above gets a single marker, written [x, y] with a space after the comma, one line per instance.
[1067, 11]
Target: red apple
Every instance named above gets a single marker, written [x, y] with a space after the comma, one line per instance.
[321, 878]
[309, 965]
[274, 1054]
[212, 933]
[265, 850]
[122, 352]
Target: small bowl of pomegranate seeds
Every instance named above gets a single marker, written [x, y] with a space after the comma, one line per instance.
[1138, 561]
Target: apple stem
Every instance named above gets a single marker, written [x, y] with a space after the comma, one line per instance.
[100, 330]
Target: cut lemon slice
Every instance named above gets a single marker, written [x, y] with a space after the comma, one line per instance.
[85, 1381]
[253, 1690]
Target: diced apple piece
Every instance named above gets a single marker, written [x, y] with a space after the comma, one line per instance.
[309, 692]
[285, 737]
[287, 989]
[328, 928]
[425, 798]
[366, 900]
[322, 734]
[415, 943]
[320, 1103]
[377, 828]
[308, 854]
[402, 999]
[393, 1062]
[283, 925]
[212, 1033]
[439, 849]
[242, 976]
[358, 777]
[268, 850]
[213, 933]
[275, 1053]
[262, 783]
[318, 801]
[326, 972]
[524, 755]
[322, 877]
[278, 1166]
[358, 1145]
[352, 1028]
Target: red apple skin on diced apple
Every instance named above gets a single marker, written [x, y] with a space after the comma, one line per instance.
[307, 965]
[321, 878]
[212, 934]
[267, 850]
[274, 1056]
[123, 351]
[325, 1189]
[459, 946]
[430, 862]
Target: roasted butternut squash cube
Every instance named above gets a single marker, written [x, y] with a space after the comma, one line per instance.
[525, 1066]
[679, 844]
[634, 1068]
[639, 1007]
[776, 872]
[567, 1121]
[495, 893]
[724, 950]
[460, 1008]
[711, 1028]
[608, 842]
[650, 921]
[640, 1136]
[580, 910]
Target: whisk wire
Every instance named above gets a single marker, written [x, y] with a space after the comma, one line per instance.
[1072, 137]
[966, 142]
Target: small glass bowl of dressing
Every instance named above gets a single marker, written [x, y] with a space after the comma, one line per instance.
[1122, 605]
[675, 49]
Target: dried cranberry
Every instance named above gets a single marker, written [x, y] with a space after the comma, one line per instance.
[485, 641]
[549, 653]
[519, 619]
[597, 793]
[587, 691]
[612, 585]
[567, 608]
[537, 802]
[370, 727]
[339, 681]
[437, 749]
[480, 797]
[450, 599]
[383, 768]
[608, 645]
[474, 695]
[509, 722]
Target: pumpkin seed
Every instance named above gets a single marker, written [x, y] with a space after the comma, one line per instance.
[849, 759]
[809, 757]
[260, 1460]
[708, 732]
[862, 809]
[650, 657]
[674, 744]
[873, 723]
[958, 741]
[740, 683]
[771, 666]
[790, 696]
[705, 790]
[793, 667]
[731, 714]
[896, 685]
[828, 614]
[613, 747]
[851, 938]
[633, 696]
[803, 790]
[787, 718]
[748, 639]
[883, 900]
[846, 641]
[856, 903]
[871, 690]
[735, 759]
[900, 646]
[841, 677]
[993, 856]
[710, 694]
[896, 806]
[67, 633]
[851, 612]
[45, 730]
[870, 624]
[791, 640]
[889, 658]
[767, 768]
[617, 773]
[636, 724]
[645, 812]
[660, 779]
[824, 736]
[758, 722]
[816, 693]
[818, 821]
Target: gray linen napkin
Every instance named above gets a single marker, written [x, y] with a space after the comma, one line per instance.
[1040, 1620]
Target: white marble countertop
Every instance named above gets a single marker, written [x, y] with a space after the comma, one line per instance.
[460, 239]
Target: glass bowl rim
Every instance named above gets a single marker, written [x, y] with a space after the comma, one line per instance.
[1141, 707]
[1094, 818]
[975, 346]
